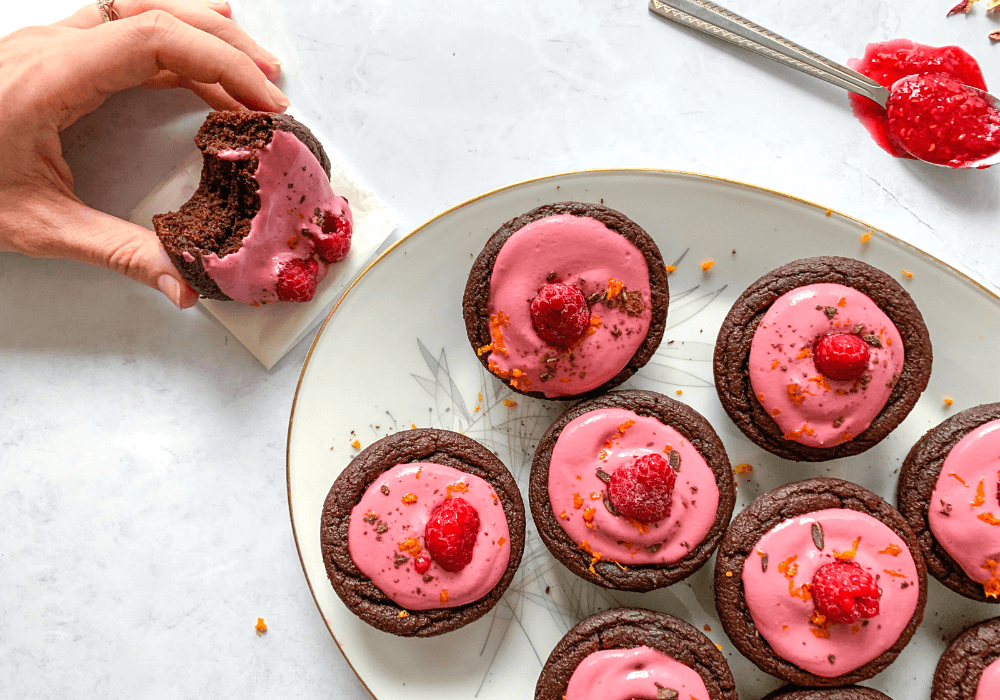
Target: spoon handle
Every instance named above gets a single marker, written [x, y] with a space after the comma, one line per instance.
[712, 19]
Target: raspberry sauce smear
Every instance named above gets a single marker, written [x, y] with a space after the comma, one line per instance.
[929, 114]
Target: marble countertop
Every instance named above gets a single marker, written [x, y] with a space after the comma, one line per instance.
[142, 454]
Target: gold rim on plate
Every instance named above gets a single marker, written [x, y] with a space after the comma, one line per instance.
[715, 178]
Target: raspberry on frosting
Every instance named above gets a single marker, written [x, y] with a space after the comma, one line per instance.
[643, 489]
[451, 534]
[297, 279]
[560, 314]
[334, 243]
[844, 593]
[841, 356]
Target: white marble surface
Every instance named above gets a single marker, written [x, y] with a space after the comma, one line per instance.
[142, 485]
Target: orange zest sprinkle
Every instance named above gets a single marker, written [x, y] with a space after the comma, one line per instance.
[784, 627]
[579, 478]
[796, 394]
[980, 498]
[803, 353]
[411, 545]
[707, 265]
[356, 444]
[619, 565]
[501, 541]
[892, 549]
[402, 614]
[888, 341]
[992, 585]
[509, 403]
[577, 501]
[409, 499]
[614, 287]
[866, 237]
[948, 401]
[848, 553]
[820, 632]
[460, 487]
[444, 595]
[894, 573]
[413, 426]
[679, 392]
[989, 519]
[484, 349]
[595, 496]
[594, 556]
[371, 515]
[775, 364]
[743, 469]
[498, 322]
[729, 574]
[855, 629]
[564, 516]
[821, 382]
[960, 479]
[419, 469]
[846, 437]
[907, 274]
[564, 380]
[671, 268]
[588, 517]
[798, 432]
[842, 302]
[643, 528]
[829, 212]
[261, 627]
[775, 411]
[760, 396]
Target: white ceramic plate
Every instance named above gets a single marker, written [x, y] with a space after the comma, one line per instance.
[393, 354]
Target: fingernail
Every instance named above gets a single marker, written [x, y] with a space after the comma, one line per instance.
[277, 96]
[171, 289]
[270, 70]
[270, 57]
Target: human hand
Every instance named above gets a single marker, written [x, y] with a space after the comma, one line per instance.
[52, 75]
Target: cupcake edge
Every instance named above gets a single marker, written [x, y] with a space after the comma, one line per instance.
[732, 353]
[969, 654]
[475, 300]
[762, 515]
[703, 438]
[631, 627]
[917, 481]
[357, 591]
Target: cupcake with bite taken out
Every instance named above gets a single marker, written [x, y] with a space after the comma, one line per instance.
[422, 532]
[969, 669]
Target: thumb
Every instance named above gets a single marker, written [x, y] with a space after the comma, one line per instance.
[93, 237]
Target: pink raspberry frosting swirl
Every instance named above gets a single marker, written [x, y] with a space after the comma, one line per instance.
[964, 515]
[808, 407]
[386, 533]
[606, 439]
[293, 187]
[777, 576]
[639, 672]
[582, 252]
[989, 683]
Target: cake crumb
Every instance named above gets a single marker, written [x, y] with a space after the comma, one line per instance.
[260, 627]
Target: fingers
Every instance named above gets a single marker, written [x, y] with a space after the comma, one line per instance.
[128, 52]
[212, 18]
[90, 16]
[69, 229]
[213, 95]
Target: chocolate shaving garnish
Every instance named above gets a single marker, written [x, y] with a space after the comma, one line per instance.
[549, 277]
[904, 584]
[685, 545]
[674, 458]
[892, 382]
[603, 476]
[817, 533]
[864, 380]
[428, 578]
[832, 659]
[694, 489]
[819, 307]
[546, 376]
[763, 563]
[609, 303]
[830, 311]
[381, 527]
[839, 422]
[872, 340]
[370, 519]
[384, 489]
[595, 298]
[666, 694]
[302, 199]
[610, 507]
[654, 548]
[858, 327]
[616, 333]
[398, 560]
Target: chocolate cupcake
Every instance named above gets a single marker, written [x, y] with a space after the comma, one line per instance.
[969, 669]
[948, 493]
[566, 301]
[264, 223]
[820, 583]
[422, 532]
[821, 359]
[603, 653]
[631, 490]
[849, 692]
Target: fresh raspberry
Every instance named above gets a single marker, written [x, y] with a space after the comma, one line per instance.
[642, 490]
[421, 563]
[297, 279]
[560, 314]
[844, 592]
[333, 245]
[451, 534]
[841, 356]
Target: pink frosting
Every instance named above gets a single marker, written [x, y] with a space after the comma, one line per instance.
[989, 683]
[375, 552]
[582, 449]
[784, 620]
[623, 674]
[957, 503]
[585, 253]
[783, 372]
[292, 187]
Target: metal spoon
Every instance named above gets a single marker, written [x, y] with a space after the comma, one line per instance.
[719, 22]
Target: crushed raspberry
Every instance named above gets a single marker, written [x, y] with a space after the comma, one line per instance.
[560, 314]
[844, 592]
[451, 534]
[297, 279]
[841, 356]
[333, 245]
[642, 490]
[422, 563]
